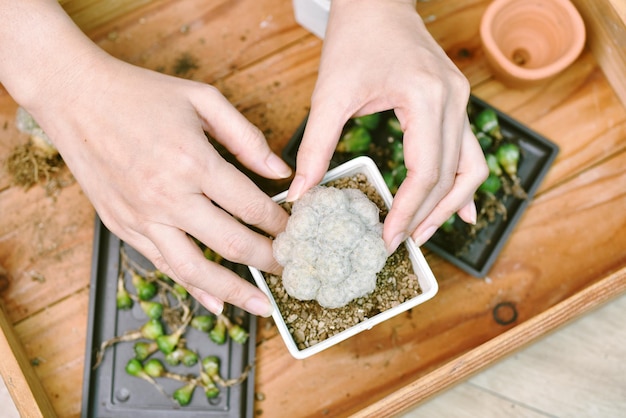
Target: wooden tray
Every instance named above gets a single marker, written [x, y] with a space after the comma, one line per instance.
[565, 257]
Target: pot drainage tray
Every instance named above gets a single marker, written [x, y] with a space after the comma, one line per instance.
[109, 391]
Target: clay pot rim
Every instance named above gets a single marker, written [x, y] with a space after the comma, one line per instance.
[578, 42]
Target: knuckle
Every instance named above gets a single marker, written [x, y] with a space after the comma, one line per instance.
[156, 184]
[453, 87]
[482, 172]
[186, 271]
[460, 86]
[187, 164]
[251, 138]
[320, 96]
[436, 86]
[160, 264]
[445, 183]
[232, 292]
[478, 173]
[201, 90]
[427, 177]
[235, 247]
[255, 212]
[209, 89]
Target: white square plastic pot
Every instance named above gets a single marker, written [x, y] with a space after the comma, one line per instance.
[312, 15]
[425, 278]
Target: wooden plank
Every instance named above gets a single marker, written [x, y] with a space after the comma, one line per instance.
[462, 44]
[21, 380]
[468, 364]
[529, 104]
[220, 37]
[576, 371]
[605, 21]
[54, 339]
[90, 14]
[46, 245]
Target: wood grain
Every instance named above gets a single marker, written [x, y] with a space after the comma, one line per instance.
[91, 14]
[576, 371]
[506, 343]
[560, 262]
[605, 21]
[19, 377]
[55, 340]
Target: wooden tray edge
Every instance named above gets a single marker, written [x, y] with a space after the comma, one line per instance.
[499, 347]
[20, 378]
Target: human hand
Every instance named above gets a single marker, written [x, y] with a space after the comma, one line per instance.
[378, 55]
[134, 139]
[135, 143]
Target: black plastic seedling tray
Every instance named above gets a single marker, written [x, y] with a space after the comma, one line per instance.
[537, 155]
[108, 391]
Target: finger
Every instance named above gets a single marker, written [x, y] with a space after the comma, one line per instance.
[151, 252]
[471, 173]
[439, 147]
[210, 302]
[226, 236]
[451, 138]
[239, 196]
[318, 144]
[193, 271]
[423, 163]
[468, 212]
[241, 138]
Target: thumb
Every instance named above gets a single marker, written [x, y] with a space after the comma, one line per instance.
[319, 141]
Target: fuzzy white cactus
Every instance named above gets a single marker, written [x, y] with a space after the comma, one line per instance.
[332, 247]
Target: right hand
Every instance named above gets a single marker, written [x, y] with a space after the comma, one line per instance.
[362, 72]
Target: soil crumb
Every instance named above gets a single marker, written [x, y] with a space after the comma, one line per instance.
[38, 160]
[184, 64]
[29, 165]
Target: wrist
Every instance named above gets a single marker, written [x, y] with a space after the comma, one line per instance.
[43, 51]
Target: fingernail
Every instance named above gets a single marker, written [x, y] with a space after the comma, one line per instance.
[468, 213]
[278, 166]
[472, 213]
[212, 303]
[258, 306]
[295, 190]
[425, 235]
[395, 242]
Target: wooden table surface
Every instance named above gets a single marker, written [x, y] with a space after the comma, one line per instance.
[566, 256]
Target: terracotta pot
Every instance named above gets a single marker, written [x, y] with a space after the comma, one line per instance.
[528, 41]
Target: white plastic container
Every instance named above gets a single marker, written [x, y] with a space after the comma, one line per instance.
[425, 278]
[312, 15]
